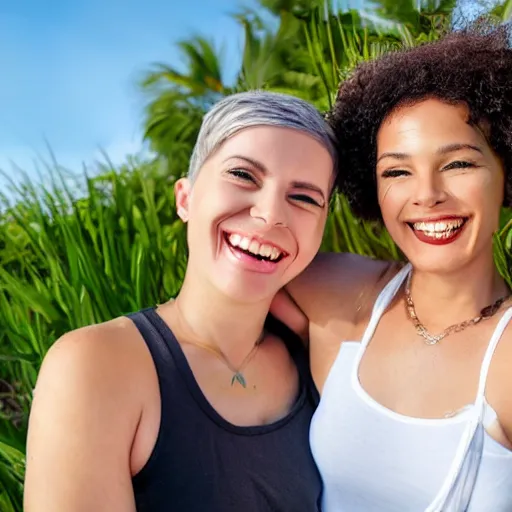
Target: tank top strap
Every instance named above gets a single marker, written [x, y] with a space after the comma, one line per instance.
[455, 493]
[157, 340]
[383, 301]
[493, 343]
[162, 346]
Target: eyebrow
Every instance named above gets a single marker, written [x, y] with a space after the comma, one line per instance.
[443, 150]
[304, 185]
[449, 148]
[253, 162]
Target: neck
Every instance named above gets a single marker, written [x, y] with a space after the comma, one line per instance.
[453, 297]
[203, 314]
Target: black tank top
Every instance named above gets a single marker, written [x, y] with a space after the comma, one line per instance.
[203, 463]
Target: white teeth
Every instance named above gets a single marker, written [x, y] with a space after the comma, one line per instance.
[265, 250]
[434, 228]
[235, 239]
[253, 246]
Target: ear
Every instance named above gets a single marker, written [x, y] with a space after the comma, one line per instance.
[182, 192]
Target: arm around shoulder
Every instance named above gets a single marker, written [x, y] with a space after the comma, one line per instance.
[338, 283]
[82, 423]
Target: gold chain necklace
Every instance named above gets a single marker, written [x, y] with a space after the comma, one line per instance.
[237, 372]
[433, 339]
[216, 351]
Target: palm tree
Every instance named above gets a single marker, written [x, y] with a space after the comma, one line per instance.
[278, 56]
[178, 100]
[503, 11]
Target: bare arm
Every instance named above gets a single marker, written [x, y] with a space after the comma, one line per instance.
[337, 285]
[82, 424]
[284, 308]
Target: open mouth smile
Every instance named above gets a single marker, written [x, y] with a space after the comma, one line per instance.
[261, 251]
[438, 231]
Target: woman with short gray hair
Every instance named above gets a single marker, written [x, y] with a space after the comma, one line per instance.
[200, 404]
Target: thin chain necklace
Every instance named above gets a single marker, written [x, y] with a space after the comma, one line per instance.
[433, 339]
[216, 351]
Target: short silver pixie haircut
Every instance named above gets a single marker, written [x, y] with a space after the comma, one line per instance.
[257, 108]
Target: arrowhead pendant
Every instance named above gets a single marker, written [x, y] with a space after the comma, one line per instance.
[238, 377]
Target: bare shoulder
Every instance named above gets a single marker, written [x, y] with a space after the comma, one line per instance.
[341, 283]
[98, 363]
[93, 356]
[87, 405]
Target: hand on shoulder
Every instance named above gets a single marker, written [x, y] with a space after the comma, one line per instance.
[340, 284]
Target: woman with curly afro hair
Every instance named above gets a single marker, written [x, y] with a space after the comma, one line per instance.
[413, 363]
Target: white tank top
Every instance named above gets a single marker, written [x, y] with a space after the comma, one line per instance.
[372, 459]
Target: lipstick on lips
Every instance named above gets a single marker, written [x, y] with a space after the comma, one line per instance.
[439, 230]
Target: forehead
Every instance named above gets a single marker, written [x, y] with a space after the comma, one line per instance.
[276, 148]
[428, 123]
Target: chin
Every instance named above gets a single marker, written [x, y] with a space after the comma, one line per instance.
[438, 262]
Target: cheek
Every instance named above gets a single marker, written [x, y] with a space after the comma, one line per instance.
[392, 197]
[482, 193]
[469, 192]
[309, 237]
[218, 201]
[204, 207]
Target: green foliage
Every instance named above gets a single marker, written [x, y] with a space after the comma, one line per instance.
[112, 247]
[84, 251]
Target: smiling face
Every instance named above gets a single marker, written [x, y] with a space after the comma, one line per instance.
[440, 185]
[257, 210]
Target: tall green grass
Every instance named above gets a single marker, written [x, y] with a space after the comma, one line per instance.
[83, 258]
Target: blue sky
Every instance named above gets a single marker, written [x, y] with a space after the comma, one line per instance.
[70, 68]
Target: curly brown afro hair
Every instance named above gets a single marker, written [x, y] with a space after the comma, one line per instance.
[473, 67]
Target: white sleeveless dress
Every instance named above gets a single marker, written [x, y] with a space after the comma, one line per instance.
[372, 459]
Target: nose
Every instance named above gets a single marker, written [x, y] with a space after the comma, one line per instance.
[270, 207]
[429, 190]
